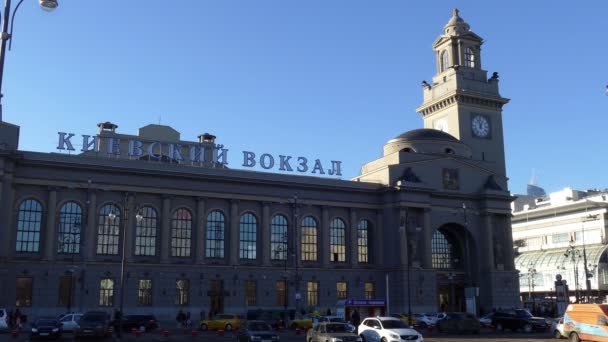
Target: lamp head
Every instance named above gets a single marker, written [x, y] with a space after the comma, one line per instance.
[48, 5]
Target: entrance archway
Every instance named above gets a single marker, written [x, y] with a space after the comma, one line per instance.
[449, 259]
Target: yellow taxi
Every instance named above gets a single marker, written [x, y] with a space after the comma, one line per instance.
[305, 322]
[403, 317]
[226, 322]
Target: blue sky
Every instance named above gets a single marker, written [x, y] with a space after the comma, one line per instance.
[323, 79]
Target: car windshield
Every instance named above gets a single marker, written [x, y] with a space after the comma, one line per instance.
[258, 326]
[393, 324]
[336, 328]
[523, 313]
[93, 318]
[46, 322]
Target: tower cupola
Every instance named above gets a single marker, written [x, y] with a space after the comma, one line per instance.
[456, 25]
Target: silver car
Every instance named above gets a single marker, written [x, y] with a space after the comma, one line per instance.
[70, 321]
[331, 331]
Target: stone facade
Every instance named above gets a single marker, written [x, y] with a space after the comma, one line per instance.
[432, 213]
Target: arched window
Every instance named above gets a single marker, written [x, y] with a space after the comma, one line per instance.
[337, 241]
[145, 232]
[309, 239]
[108, 229]
[181, 232]
[445, 60]
[28, 226]
[278, 238]
[363, 241]
[70, 226]
[215, 235]
[442, 252]
[248, 236]
[469, 58]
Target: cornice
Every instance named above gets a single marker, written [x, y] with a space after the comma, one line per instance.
[462, 97]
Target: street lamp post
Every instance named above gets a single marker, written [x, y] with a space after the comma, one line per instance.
[531, 275]
[574, 254]
[138, 217]
[409, 262]
[6, 36]
[587, 274]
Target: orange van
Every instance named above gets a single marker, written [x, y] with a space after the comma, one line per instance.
[588, 322]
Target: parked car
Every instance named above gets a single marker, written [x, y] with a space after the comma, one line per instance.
[387, 329]
[317, 320]
[304, 322]
[459, 322]
[486, 321]
[139, 322]
[332, 331]
[423, 320]
[46, 328]
[3, 323]
[256, 331]
[94, 324]
[557, 326]
[222, 322]
[69, 321]
[516, 319]
[404, 318]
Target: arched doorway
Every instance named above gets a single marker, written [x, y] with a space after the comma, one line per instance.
[450, 261]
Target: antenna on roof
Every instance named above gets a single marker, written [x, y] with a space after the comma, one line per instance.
[534, 180]
[159, 119]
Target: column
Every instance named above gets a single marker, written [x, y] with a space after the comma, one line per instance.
[90, 245]
[352, 244]
[129, 225]
[325, 236]
[403, 247]
[486, 244]
[165, 230]
[377, 238]
[509, 259]
[201, 230]
[49, 234]
[233, 252]
[266, 232]
[427, 238]
[6, 225]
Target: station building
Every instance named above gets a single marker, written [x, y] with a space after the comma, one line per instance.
[426, 225]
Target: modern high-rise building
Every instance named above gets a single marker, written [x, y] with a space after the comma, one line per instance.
[426, 226]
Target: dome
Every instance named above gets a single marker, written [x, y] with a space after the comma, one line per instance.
[456, 23]
[426, 134]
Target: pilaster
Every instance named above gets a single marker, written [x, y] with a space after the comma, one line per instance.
[90, 243]
[165, 230]
[377, 238]
[265, 236]
[324, 250]
[352, 246]
[50, 236]
[427, 238]
[201, 230]
[233, 252]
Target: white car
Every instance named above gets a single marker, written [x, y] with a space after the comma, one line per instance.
[387, 329]
[424, 320]
[557, 327]
[70, 321]
[3, 325]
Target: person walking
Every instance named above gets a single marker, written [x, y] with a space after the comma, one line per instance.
[356, 320]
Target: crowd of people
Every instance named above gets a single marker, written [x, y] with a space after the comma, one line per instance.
[15, 320]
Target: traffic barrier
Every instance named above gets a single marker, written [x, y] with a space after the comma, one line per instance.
[166, 333]
[15, 333]
[220, 333]
[297, 331]
[194, 332]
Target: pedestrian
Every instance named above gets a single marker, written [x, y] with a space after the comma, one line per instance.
[117, 321]
[180, 318]
[188, 321]
[356, 320]
[328, 312]
[203, 315]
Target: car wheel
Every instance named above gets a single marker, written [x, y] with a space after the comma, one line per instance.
[557, 334]
[204, 327]
[228, 327]
[499, 327]
[383, 339]
[362, 338]
[574, 337]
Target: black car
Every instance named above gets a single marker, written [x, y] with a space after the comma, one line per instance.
[46, 328]
[459, 322]
[148, 322]
[518, 319]
[256, 331]
[94, 324]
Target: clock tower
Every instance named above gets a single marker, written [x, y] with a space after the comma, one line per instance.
[461, 100]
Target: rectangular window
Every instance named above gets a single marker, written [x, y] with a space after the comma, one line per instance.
[578, 236]
[559, 238]
[341, 290]
[144, 294]
[250, 291]
[313, 293]
[65, 291]
[281, 289]
[182, 291]
[370, 291]
[24, 292]
[106, 292]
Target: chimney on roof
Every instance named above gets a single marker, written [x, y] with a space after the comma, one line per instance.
[206, 138]
[107, 127]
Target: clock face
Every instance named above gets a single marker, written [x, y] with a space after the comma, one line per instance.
[441, 125]
[480, 126]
